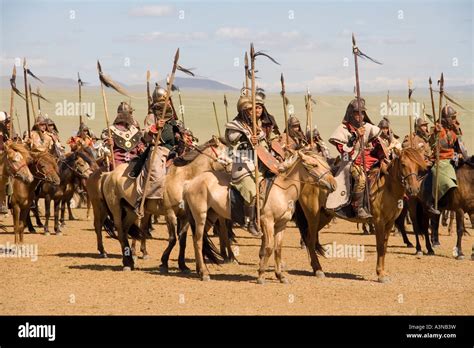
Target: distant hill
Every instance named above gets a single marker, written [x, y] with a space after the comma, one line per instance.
[182, 83]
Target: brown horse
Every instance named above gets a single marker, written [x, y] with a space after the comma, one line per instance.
[207, 198]
[386, 199]
[204, 157]
[42, 167]
[459, 199]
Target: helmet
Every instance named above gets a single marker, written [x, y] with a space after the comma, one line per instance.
[384, 123]
[40, 120]
[244, 103]
[159, 94]
[448, 112]
[124, 107]
[420, 122]
[293, 121]
[4, 116]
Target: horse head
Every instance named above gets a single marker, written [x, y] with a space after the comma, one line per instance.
[318, 169]
[17, 161]
[409, 163]
[46, 168]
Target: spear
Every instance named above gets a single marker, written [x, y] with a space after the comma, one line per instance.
[107, 123]
[19, 126]
[217, 119]
[226, 111]
[356, 52]
[79, 84]
[410, 119]
[181, 107]
[148, 89]
[285, 110]
[31, 100]
[309, 110]
[247, 73]
[388, 103]
[26, 98]
[12, 104]
[38, 95]
[158, 135]
[441, 92]
[254, 124]
[432, 100]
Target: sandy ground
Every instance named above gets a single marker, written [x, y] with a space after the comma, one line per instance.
[69, 278]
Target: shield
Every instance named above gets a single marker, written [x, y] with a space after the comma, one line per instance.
[267, 159]
[276, 146]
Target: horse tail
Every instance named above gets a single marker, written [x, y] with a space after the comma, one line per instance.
[230, 231]
[209, 249]
[108, 224]
[302, 223]
[419, 220]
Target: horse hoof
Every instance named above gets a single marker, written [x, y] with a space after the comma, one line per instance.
[59, 233]
[163, 269]
[319, 274]
[384, 279]
[127, 269]
[430, 253]
[205, 278]
[103, 256]
[46, 233]
[284, 280]
[146, 257]
[460, 257]
[409, 245]
[419, 254]
[185, 270]
[260, 281]
[135, 258]
[32, 231]
[436, 246]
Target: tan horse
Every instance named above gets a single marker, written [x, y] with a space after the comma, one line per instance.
[41, 167]
[207, 198]
[120, 195]
[386, 199]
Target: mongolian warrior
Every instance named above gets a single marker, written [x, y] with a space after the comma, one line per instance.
[5, 185]
[319, 144]
[171, 132]
[420, 139]
[58, 148]
[5, 120]
[296, 136]
[388, 137]
[126, 141]
[456, 127]
[41, 140]
[448, 142]
[346, 138]
[239, 135]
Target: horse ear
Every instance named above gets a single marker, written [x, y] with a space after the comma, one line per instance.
[397, 152]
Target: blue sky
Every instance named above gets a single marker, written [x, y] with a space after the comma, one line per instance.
[311, 39]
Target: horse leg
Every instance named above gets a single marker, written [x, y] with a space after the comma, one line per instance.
[57, 226]
[182, 228]
[21, 226]
[218, 231]
[88, 208]
[278, 247]
[99, 218]
[47, 212]
[266, 248]
[400, 224]
[29, 224]
[37, 214]
[460, 231]
[127, 258]
[16, 222]
[452, 216]
[63, 211]
[201, 268]
[171, 222]
[381, 234]
[435, 231]
[69, 210]
[444, 218]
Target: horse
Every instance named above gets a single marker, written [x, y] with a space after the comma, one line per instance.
[386, 198]
[202, 158]
[207, 197]
[41, 167]
[459, 199]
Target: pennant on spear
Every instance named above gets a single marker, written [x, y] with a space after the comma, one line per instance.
[410, 119]
[226, 111]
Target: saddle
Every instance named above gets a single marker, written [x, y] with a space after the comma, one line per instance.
[237, 202]
[138, 162]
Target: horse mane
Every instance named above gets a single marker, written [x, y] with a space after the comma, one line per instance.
[23, 150]
[415, 156]
[46, 157]
[190, 156]
[83, 153]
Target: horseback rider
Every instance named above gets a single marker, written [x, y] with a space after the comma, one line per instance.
[420, 139]
[5, 188]
[319, 144]
[296, 136]
[239, 134]
[460, 149]
[171, 133]
[58, 148]
[41, 140]
[126, 141]
[388, 137]
[356, 125]
[448, 141]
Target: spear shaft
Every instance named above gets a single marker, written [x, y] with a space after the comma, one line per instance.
[32, 103]
[247, 74]
[12, 106]
[254, 121]
[217, 119]
[79, 82]
[285, 110]
[441, 92]
[410, 119]
[355, 51]
[26, 98]
[181, 108]
[226, 111]
[148, 90]
[107, 122]
[39, 99]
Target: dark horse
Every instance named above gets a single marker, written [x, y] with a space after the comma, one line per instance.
[459, 199]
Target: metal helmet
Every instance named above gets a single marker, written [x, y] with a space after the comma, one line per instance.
[4, 116]
[40, 120]
[244, 103]
[384, 123]
[420, 122]
[354, 107]
[124, 107]
[159, 94]
[293, 121]
[448, 112]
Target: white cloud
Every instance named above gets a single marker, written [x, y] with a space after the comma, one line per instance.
[152, 11]
[171, 36]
